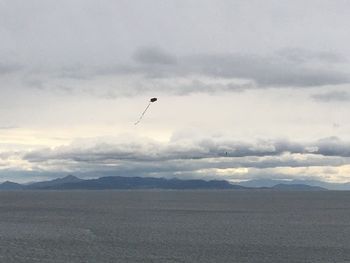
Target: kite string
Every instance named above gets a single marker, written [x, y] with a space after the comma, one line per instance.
[143, 113]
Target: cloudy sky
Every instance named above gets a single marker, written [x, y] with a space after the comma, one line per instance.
[247, 89]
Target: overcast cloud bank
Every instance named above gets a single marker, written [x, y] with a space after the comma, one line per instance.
[209, 158]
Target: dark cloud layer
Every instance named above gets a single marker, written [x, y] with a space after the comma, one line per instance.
[154, 56]
[8, 67]
[205, 158]
[266, 71]
[290, 67]
[154, 151]
[333, 146]
[161, 71]
[188, 150]
[184, 157]
[299, 55]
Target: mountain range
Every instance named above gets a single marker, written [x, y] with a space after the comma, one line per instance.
[262, 182]
[71, 182]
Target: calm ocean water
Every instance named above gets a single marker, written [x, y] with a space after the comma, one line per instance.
[174, 226]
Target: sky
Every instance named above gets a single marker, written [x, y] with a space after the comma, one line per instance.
[246, 89]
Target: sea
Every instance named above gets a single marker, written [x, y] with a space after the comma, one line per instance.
[175, 226]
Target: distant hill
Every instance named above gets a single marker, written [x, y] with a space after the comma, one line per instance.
[53, 183]
[10, 186]
[71, 182]
[297, 187]
[118, 182]
[266, 182]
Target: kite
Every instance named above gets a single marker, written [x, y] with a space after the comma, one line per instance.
[144, 112]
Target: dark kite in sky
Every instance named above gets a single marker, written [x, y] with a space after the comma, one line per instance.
[144, 112]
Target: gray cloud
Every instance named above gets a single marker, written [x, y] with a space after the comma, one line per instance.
[155, 70]
[163, 72]
[299, 55]
[266, 71]
[6, 67]
[152, 55]
[333, 146]
[286, 68]
[155, 151]
[181, 158]
[330, 96]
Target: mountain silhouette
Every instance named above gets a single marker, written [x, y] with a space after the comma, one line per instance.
[71, 182]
